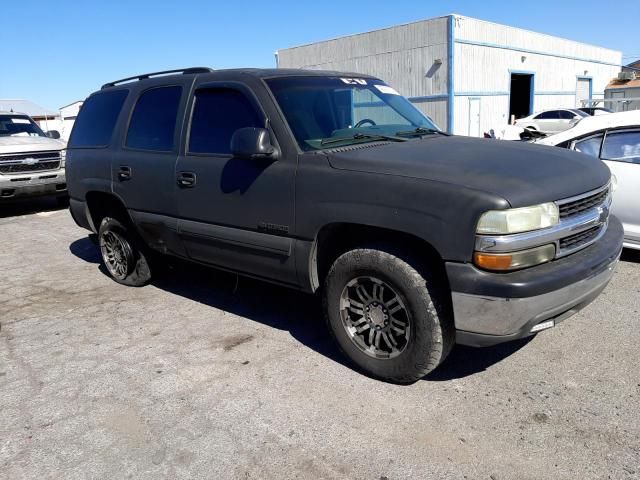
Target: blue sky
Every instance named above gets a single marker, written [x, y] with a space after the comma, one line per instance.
[56, 52]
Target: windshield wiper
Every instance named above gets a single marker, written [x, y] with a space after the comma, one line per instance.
[361, 136]
[421, 131]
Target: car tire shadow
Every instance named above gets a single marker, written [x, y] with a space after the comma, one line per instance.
[284, 309]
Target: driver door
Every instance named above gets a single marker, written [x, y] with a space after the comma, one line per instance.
[234, 213]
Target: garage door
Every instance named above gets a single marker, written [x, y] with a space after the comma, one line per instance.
[583, 91]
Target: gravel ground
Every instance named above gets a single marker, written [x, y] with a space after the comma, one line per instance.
[201, 375]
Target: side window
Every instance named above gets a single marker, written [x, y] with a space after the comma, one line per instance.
[153, 122]
[622, 147]
[97, 119]
[217, 114]
[566, 115]
[551, 114]
[589, 146]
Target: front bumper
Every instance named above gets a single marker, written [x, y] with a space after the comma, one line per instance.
[491, 308]
[17, 186]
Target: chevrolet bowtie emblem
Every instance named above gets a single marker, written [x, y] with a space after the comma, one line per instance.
[604, 214]
[29, 161]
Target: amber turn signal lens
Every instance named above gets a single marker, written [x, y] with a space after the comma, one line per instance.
[492, 262]
[502, 262]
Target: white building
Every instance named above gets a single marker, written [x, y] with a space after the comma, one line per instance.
[68, 114]
[468, 75]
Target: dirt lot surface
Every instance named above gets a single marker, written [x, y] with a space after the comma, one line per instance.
[202, 376]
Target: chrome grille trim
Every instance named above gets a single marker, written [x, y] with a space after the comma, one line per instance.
[569, 207]
[18, 157]
[583, 195]
[30, 162]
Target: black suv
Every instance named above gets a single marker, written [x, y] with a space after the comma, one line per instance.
[333, 182]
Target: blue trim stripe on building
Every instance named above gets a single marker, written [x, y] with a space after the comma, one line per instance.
[450, 73]
[532, 52]
[429, 98]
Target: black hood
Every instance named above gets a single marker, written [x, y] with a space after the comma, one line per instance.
[523, 174]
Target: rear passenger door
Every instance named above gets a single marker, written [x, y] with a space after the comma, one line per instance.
[234, 213]
[143, 169]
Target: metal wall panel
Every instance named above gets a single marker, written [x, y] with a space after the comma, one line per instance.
[484, 55]
[473, 29]
[436, 109]
[619, 93]
[483, 69]
[401, 37]
[404, 56]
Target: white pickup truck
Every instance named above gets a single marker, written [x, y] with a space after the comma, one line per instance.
[31, 161]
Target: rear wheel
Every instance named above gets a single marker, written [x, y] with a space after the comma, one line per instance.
[386, 316]
[122, 254]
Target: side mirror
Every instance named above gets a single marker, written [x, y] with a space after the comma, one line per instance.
[253, 143]
[55, 134]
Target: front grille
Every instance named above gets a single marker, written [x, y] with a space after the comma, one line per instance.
[35, 162]
[579, 239]
[53, 155]
[576, 207]
[26, 168]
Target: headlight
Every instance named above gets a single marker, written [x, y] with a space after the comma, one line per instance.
[63, 158]
[516, 220]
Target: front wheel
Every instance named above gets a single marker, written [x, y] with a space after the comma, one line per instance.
[386, 316]
[122, 255]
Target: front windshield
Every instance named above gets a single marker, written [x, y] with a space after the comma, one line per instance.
[19, 126]
[335, 111]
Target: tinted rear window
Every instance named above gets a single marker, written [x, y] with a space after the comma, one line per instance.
[153, 122]
[97, 118]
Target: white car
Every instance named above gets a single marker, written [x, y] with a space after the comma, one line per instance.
[552, 121]
[31, 161]
[615, 139]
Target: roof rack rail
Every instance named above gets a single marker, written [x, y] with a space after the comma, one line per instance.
[183, 71]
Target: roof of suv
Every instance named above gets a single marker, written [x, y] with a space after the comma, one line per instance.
[255, 72]
[291, 72]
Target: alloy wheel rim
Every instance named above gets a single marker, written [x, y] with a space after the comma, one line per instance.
[375, 317]
[116, 254]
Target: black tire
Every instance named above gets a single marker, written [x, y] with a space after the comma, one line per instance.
[131, 268]
[431, 334]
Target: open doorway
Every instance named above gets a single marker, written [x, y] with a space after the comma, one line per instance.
[521, 95]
